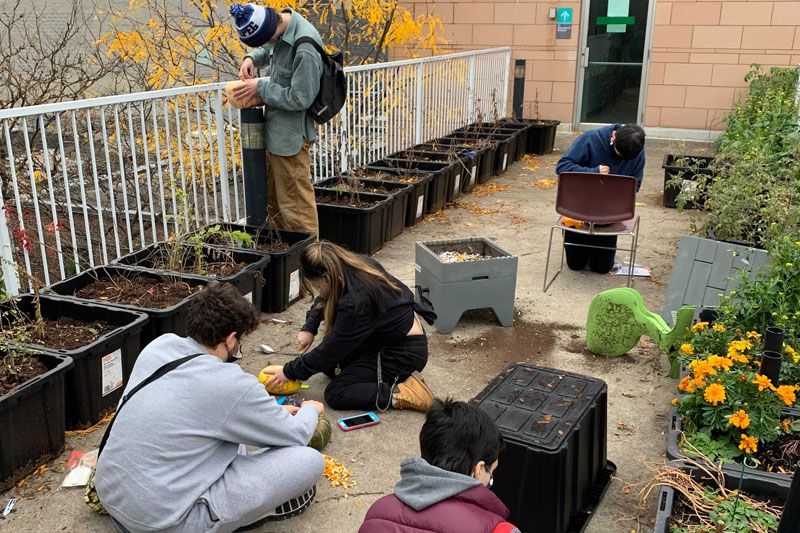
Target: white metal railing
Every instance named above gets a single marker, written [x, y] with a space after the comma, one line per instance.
[88, 181]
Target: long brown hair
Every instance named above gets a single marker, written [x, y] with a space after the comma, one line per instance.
[342, 270]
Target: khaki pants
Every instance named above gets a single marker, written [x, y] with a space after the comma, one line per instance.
[290, 192]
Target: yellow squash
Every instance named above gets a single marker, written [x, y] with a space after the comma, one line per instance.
[288, 388]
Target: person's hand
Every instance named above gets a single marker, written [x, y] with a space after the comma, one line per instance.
[318, 405]
[245, 92]
[603, 169]
[304, 341]
[291, 409]
[278, 379]
[246, 70]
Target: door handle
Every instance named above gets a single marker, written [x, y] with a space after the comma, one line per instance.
[585, 57]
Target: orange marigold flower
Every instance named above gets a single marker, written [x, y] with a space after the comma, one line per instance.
[714, 394]
[739, 419]
[686, 385]
[703, 368]
[699, 381]
[754, 335]
[687, 349]
[785, 425]
[718, 327]
[740, 346]
[763, 383]
[748, 444]
[720, 362]
[700, 326]
[738, 357]
[790, 351]
[674, 401]
[787, 393]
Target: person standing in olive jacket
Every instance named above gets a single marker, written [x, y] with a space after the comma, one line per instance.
[291, 89]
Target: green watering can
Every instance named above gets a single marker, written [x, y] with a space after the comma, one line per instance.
[618, 318]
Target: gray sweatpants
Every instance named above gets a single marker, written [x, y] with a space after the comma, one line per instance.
[252, 487]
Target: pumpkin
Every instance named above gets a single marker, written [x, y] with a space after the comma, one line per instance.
[288, 388]
[322, 434]
[255, 101]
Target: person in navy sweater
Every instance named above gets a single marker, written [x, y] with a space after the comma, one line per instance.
[614, 149]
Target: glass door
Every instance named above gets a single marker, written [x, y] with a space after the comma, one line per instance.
[614, 41]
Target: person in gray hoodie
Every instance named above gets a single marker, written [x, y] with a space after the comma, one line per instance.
[175, 459]
[447, 489]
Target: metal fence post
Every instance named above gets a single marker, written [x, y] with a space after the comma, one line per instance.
[222, 157]
[7, 257]
[504, 108]
[471, 91]
[344, 131]
[418, 111]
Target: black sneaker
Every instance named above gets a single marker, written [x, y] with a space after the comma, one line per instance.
[293, 507]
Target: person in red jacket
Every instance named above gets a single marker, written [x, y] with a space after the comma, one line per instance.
[447, 489]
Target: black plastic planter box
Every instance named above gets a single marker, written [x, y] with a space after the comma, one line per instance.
[442, 176]
[542, 136]
[32, 421]
[486, 151]
[459, 163]
[553, 470]
[755, 482]
[469, 156]
[95, 384]
[418, 199]
[666, 498]
[358, 229]
[689, 174]
[249, 280]
[396, 217]
[519, 136]
[505, 148]
[282, 278]
[173, 319]
[524, 132]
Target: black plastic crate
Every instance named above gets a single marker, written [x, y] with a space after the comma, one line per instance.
[442, 176]
[519, 134]
[523, 130]
[469, 156]
[248, 280]
[553, 470]
[459, 163]
[418, 198]
[756, 482]
[32, 421]
[489, 153]
[396, 217]
[173, 319]
[689, 173]
[358, 229]
[506, 145]
[542, 136]
[282, 279]
[95, 384]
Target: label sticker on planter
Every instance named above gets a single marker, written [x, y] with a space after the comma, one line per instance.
[472, 178]
[505, 160]
[249, 296]
[458, 183]
[420, 205]
[112, 371]
[294, 284]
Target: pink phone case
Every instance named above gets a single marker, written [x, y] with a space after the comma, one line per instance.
[351, 428]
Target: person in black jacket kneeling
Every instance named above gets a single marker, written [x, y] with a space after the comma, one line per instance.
[375, 345]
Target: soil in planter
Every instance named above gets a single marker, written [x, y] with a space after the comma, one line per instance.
[273, 245]
[684, 517]
[380, 176]
[345, 200]
[139, 291]
[780, 455]
[361, 187]
[16, 369]
[218, 270]
[66, 333]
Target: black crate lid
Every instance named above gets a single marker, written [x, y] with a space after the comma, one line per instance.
[538, 406]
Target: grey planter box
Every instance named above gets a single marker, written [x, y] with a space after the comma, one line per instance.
[701, 271]
[454, 288]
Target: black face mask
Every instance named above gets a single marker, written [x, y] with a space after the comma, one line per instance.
[232, 358]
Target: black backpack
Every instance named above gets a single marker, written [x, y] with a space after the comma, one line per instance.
[332, 84]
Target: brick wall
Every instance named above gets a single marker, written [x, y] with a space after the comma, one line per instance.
[526, 27]
[701, 51]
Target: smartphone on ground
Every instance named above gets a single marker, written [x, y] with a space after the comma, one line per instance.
[358, 421]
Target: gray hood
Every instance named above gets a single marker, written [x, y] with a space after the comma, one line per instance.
[422, 485]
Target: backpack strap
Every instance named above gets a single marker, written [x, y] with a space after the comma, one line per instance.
[172, 365]
[323, 54]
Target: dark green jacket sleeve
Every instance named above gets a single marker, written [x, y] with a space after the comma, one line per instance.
[303, 89]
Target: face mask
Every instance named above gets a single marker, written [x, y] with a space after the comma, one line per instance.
[235, 357]
[491, 481]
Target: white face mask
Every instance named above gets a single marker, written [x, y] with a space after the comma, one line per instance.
[235, 357]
